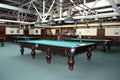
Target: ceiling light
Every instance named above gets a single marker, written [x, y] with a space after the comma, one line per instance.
[69, 20]
[51, 22]
[37, 24]
[2, 22]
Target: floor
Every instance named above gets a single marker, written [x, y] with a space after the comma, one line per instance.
[13, 66]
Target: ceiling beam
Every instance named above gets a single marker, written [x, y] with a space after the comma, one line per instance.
[13, 1]
[112, 14]
[76, 17]
[114, 5]
[13, 21]
[16, 8]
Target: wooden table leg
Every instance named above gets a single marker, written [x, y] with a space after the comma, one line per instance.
[33, 52]
[71, 62]
[2, 43]
[48, 56]
[89, 54]
[22, 50]
[103, 48]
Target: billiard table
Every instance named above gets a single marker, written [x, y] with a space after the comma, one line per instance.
[70, 49]
[18, 38]
[100, 42]
[2, 41]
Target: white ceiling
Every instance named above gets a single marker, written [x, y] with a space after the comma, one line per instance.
[80, 9]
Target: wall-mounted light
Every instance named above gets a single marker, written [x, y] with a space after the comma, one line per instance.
[75, 27]
[87, 26]
[100, 25]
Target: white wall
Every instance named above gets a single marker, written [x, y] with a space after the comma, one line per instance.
[36, 31]
[31, 31]
[112, 31]
[13, 31]
[53, 31]
[88, 31]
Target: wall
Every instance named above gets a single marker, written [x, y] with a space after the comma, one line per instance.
[35, 31]
[53, 31]
[17, 31]
[87, 31]
[14, 31]
[112, 31]
[108, 32]
[2, 31]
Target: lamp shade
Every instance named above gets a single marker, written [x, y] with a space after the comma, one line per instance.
[38, 24]
[51, 22]
[2, 22]
[69, 20]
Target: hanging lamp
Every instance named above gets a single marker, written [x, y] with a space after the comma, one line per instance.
[69, 18]
[51, 20]
[38, 24]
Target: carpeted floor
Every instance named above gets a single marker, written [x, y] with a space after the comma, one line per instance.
[13, 66]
